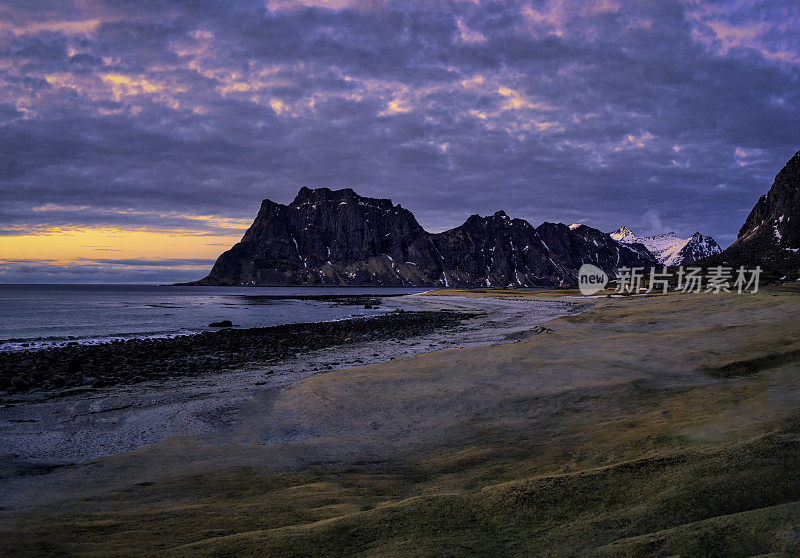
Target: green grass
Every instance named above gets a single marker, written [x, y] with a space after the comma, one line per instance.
[568, 514]
[775, 529]
[754, 365]
[726, 499]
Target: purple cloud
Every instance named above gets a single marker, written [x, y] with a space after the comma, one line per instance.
[605, 112]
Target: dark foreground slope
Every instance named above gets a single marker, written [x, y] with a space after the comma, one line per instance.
[646, 427]
[336, 237]
[770, 237]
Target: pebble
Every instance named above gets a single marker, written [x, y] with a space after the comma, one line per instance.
[136, 360]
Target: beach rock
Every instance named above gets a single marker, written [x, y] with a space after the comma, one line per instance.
[20, 383]
[137, 360]
[74, 365]
[223, 323]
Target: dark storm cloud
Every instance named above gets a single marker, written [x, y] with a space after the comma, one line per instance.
[658, 115]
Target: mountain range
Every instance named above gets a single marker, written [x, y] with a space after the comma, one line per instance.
[336, 237]
[669, 249]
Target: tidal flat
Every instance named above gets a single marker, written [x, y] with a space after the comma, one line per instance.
[638, 426]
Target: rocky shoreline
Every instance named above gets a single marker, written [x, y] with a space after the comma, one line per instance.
[74, 367]
[216, 400]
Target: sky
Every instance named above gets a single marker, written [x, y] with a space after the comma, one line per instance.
[137, 138]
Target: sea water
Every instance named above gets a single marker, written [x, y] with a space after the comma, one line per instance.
[37, 315]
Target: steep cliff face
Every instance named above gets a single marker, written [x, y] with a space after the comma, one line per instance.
[336, 237]
[770, 236]
[777, 213]
[491, 251]
[325, 237]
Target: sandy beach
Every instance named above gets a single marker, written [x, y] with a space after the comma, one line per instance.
[47, 429]
[652, 425]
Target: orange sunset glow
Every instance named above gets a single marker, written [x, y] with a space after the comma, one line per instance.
[76, 243]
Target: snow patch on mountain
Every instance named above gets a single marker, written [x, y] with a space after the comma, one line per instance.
[668, 248]
[624, 234]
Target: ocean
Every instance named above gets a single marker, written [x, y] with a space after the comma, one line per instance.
[40, 315]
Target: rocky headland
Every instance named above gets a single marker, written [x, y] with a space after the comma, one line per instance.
[336, 237]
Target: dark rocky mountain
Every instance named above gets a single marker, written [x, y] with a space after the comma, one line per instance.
[336, 237]
[698, 247]
[777, 213]
[770, 237]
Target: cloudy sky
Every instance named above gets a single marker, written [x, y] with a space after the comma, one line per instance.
[137, 138]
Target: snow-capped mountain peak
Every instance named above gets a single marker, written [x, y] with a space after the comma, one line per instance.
[668, 248]
[623, 234]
